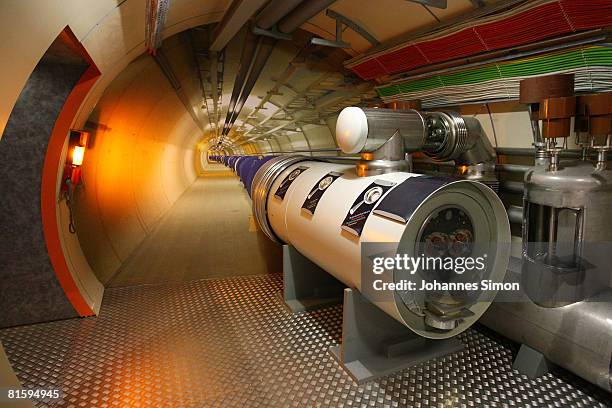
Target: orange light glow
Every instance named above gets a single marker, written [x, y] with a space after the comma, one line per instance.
[77, 155]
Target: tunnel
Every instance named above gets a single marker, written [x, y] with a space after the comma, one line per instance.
[300, 203]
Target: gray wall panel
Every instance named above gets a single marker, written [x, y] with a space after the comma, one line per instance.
[29, 290]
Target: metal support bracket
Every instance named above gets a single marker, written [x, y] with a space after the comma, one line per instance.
[274, 33]
[374, 344]
[531, 362]
[305, 285]
[441, 4]
[343, 20]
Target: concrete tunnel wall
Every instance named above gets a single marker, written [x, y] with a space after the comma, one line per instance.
[112, 33]
[141, 160]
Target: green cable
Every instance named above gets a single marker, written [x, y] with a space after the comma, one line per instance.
[600, 56]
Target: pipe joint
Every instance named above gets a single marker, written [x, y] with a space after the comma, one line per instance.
[458, 138]
[387, 134]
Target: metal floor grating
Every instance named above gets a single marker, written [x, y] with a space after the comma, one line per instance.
[231, 343]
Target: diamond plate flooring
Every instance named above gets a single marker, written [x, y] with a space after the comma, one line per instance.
[231, 343]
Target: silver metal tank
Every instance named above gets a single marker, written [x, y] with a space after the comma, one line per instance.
[567, 231]
[566, 309]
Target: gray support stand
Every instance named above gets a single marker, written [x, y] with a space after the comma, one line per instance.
[531, 362]
[374, 344]
[307, 286]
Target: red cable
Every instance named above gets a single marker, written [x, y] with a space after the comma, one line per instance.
[538, 23]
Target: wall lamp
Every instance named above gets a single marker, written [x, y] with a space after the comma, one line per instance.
[78, 152]
[77, 144]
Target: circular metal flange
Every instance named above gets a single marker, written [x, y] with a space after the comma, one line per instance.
[490, 230]
[260, 189]
[449, 134]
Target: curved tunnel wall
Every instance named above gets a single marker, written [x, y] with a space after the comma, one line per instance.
[140, 161]
[112, 33]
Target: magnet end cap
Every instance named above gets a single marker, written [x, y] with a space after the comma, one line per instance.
[352, 130]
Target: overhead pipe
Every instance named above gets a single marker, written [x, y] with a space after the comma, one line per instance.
[297, 17]
[237, 14]
[383, 137]
[442, 136]
[265, 46]
[246, 58]
[301, 14]
[274, 11]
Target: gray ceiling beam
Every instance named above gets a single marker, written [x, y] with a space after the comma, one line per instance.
[340, 21]
[274, 11]
[441, 4]
[235, 17]
[301, 94]
[304, 12]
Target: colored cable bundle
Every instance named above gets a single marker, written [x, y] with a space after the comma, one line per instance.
[524, 24]
[582, 16]
[592, 67]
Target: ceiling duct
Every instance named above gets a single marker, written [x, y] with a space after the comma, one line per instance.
[264, 50]
[236, 16]
[249, 49]
[270, 15]
[301, 14]
[274, 11]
